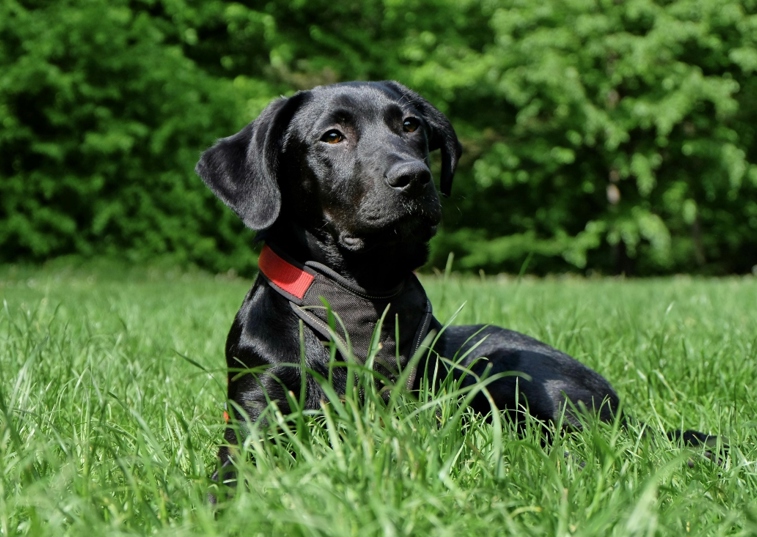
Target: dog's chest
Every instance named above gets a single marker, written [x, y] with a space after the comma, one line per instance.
[389, 327]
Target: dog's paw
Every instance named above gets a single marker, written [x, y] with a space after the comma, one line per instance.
[223, 482]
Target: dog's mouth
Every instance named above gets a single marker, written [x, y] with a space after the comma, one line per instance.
[380, 222]
[402, 231]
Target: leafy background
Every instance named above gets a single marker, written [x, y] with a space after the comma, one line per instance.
[600, 136]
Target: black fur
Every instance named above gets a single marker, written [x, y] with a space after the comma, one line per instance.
[366, 207]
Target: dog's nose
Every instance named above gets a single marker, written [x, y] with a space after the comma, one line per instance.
[408, 175]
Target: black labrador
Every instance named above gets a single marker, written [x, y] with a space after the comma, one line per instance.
[336, 182]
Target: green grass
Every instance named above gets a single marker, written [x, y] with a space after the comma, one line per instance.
[112, 387]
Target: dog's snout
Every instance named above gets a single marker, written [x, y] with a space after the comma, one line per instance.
[408, 175]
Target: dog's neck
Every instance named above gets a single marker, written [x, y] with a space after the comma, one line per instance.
[378, 269]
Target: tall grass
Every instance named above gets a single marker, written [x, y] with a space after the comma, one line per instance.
[112, 385]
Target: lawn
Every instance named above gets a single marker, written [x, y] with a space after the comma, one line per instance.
[112, 386]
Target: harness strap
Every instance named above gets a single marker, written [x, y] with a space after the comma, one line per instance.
[406, 308]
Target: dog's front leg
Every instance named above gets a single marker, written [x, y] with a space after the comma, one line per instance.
[259, 381]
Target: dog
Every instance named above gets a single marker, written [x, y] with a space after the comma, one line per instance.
[336, 182]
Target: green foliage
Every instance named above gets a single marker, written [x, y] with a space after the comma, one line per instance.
[103, 118]
[617, 132]
[601, 135]
[112, 389]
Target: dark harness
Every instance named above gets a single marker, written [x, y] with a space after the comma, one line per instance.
[406, 311]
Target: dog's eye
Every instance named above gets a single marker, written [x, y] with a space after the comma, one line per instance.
[332, 137]
[411, 124]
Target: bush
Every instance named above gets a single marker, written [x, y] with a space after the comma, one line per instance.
[103, 118]
[614, 135]
[602, 135]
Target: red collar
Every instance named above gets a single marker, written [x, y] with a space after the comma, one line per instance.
[283, 274]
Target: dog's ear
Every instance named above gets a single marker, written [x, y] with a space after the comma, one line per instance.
[442, 135]
[242, 169]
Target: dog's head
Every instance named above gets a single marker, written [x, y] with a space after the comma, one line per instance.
[347, 163]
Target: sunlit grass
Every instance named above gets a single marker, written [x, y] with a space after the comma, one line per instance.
[112, 385]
